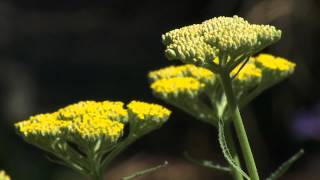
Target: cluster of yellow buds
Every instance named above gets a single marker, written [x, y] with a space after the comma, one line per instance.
[186, 86]
[4, 176]
[93, 127]
[228, 38]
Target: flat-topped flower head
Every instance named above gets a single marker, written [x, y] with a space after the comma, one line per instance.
[82, 123]
[273, 68]
[223, 37]
[42, 125]
[90, 128]
[271, 62]
[188, 70]
[84, 134]
[148, 111]
[4, 176]
[107, 110]
[177, 87]
[248, 77]
[248, 72]
[145, 117]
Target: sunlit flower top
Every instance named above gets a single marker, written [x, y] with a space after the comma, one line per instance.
[247, 72]
[89, 131]
[223, 37]
[148, 111]
[4, 176]
[44, 125]
[190, 80]
[176, 86]
[188, 70]
[268, 61]
[89, 127]
[106, 110]
[87, 120]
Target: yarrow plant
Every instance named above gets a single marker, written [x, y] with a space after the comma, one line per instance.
[88, 135]
[222, 75]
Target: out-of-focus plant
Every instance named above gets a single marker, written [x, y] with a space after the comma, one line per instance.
[222, 75]
[88, 135]
[4, 176]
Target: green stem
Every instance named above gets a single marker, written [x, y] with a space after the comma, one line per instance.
[239, 127]
[97, 176]
[120, 147]
[95, 166]
[236, 175]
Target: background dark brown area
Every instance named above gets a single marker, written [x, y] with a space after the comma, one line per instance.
[53, 53]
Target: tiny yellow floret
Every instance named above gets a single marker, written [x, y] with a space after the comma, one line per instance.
[221, 37]
[93, 127]
[148, 111]
[177, 85]
[88, 120]
[274, 63]
[249, 71]
[187, 70]
[106, 109]
[42, 124]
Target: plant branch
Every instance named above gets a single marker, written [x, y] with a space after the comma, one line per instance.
[239, 127]
[146, 171]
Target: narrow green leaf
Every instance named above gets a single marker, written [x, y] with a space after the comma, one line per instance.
[206, 163]
[226, 151]
[285, 166]
[146, 171]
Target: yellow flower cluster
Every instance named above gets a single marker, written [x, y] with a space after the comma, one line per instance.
[4, 176]
[43, 124]
[190, 79]
[249, 71]
[187, 70]
[89, 120]
[217, 37]
[106, 110]
[273, 63]
[93, 127]
[148, 111]
[176, 85]
[86, 119]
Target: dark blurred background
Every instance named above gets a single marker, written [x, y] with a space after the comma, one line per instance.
[53, 53]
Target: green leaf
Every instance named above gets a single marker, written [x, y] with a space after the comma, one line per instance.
[206, 163]
[285, 166]
[146, 171]
[226, 151]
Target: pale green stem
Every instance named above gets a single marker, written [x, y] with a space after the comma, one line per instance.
[120, 147]
[236, 175]
[239, 127]
[95, 166]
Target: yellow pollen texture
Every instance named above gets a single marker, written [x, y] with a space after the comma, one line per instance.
[87, 119]
[106, 109]
[182, 71]
[176, 85]
[92, 127]
[44, 124]
[249, 71]
[274, 63]
[148, 110]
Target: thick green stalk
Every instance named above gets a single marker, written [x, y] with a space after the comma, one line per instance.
[239, 127]
[95, 166]
[97, 176]
[236, 175]
[120, 147]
